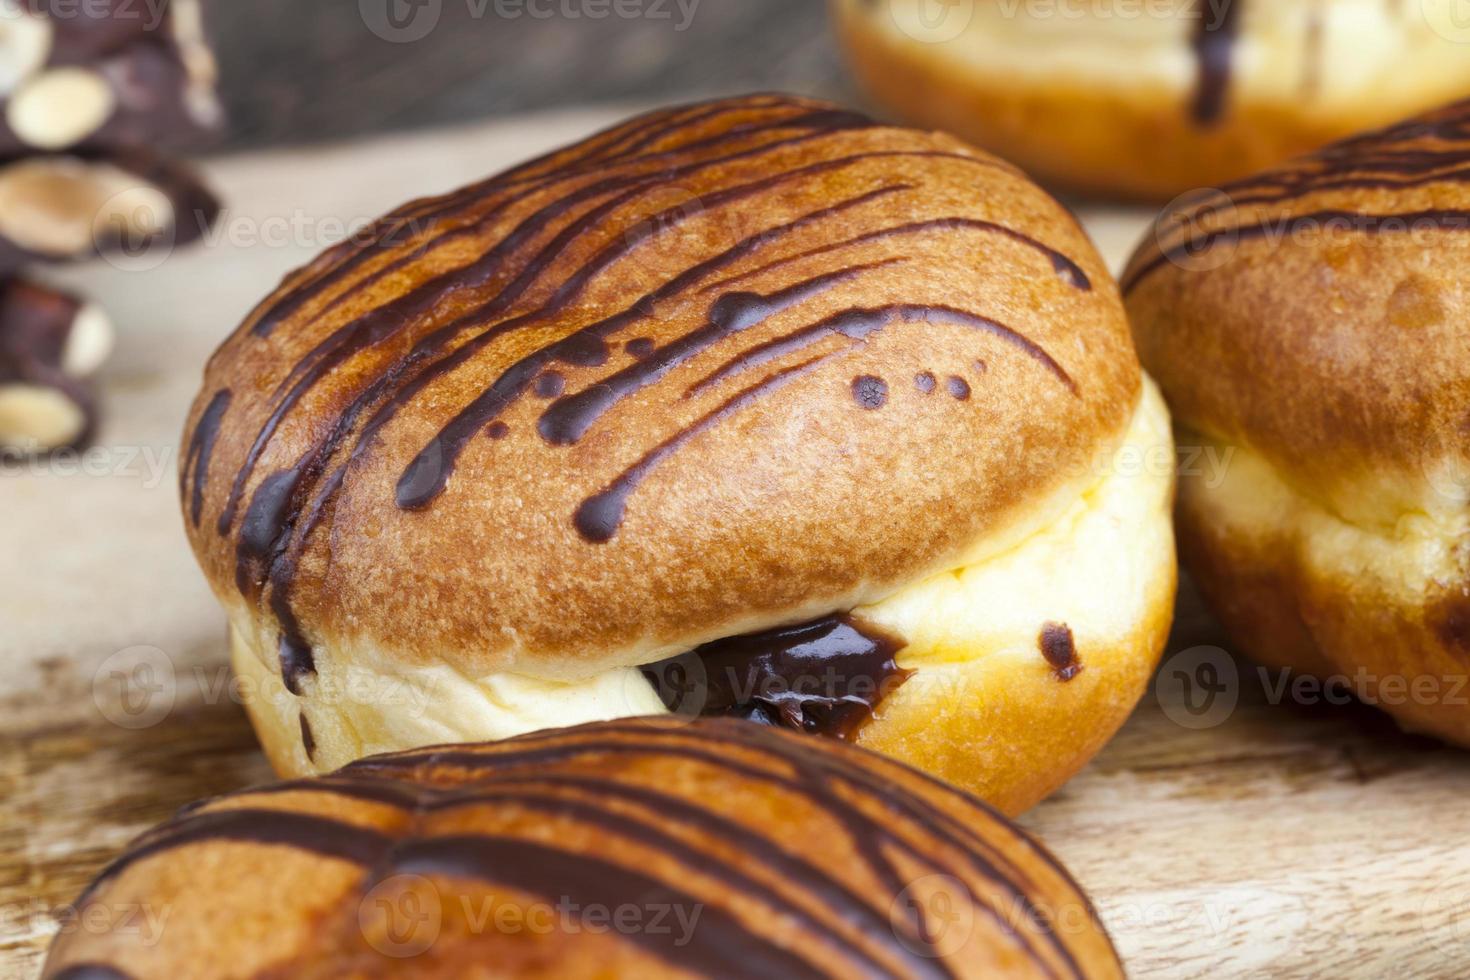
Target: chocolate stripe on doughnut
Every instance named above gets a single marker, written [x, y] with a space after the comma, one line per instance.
[1452, 219]
[1320, 188]
[600, 515]
[1216, 27]
[526, 178]
[867, 923]
[1069, 271]
[319, 835]
[569, 418]
[92, 971]
[823, 782]
[726, 948]
[201, 447]
[859, 324]
[429, 472]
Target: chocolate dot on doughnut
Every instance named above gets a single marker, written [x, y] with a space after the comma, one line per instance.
[869, 392]
[1059, 650]
[550, 384]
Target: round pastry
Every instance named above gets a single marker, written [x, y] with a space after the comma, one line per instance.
[1147, 100]
[751, 407]
[618, 849]
[1308, 327]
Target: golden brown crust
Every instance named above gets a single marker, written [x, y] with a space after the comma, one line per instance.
[1311, 320]
[1119, 112]
[1315, 314]
[775, 485]
[763, 854]
[1013, 733]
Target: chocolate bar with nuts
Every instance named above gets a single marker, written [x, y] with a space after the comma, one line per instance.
[64, 207]
[103, 74]
[50, 343]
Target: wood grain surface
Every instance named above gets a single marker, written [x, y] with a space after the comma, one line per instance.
[1228, 831]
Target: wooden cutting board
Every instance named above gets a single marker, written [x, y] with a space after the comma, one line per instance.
[1233, 837]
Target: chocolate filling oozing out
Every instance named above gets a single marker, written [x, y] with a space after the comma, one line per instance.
[824, 677]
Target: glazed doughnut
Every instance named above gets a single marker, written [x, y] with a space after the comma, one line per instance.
[1308, 327]
[1146, 100]
[849, 411]
[625, 849]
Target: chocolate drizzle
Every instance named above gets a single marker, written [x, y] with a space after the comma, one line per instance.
[726, 947]
[1216, 27]
[322, 836]
[308, 740]
[1421, 152]
[201, 447]
[825, 677]
[91, 971]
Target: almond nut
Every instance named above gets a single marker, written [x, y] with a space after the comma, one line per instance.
[59, 108]
[88, 343]
[57, 206]
[37, 418]
[25, 44]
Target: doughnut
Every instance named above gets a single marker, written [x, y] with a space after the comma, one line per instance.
[751, 407]
[1307, 326]
[616, 849]
[1146, 100]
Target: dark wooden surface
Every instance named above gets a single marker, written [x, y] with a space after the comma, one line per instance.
[295, 71]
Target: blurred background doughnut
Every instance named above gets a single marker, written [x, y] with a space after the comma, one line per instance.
[1309, 324]
[1146, 100]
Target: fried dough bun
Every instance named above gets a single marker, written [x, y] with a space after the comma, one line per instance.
[1309, 329]
[849, 411]
[616, 850]
[1132, 100]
